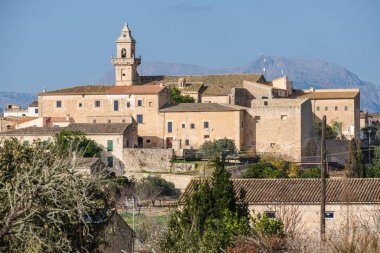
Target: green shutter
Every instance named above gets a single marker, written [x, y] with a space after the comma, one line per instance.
[110, 162]
[109, 145]
[25, 142]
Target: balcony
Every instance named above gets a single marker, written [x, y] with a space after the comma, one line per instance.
[128, 61]
[16, 110]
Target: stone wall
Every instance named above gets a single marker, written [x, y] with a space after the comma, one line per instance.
[180, 181]
[146, 159]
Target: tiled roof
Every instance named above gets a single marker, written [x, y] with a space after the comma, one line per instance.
[327, 94]
[79, 90]
[198, 107]
[136, 89]
[214, 84]
[98, 128]
[306, 191]
[33, 131]
[280, 102]
[34, 104]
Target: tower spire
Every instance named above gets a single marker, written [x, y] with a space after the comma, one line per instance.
[125, 61]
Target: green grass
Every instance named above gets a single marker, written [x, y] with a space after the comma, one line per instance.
[140, 218]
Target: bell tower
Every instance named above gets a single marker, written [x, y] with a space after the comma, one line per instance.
[125, 61]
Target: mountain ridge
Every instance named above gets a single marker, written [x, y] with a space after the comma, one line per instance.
[304, 73]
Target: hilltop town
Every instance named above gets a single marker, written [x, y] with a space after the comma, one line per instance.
[161, 126]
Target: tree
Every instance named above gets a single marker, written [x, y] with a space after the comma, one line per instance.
[176, 97]
[211, 216]
[331, 133]
[44, 202]
[355, 165]
[152, 188]
[217, 148]
[67, 142]
[311, 173]
[374, 171]
[263, 170]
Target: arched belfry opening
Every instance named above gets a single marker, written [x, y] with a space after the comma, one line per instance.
[123, 53]
[125, 61]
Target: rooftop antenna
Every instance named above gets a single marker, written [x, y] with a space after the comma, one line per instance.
[44, 89]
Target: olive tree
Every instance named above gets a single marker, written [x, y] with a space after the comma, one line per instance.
[44, 202]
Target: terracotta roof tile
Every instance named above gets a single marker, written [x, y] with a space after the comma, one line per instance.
[198, 107]
[306, 191]
[32, 131]
[98, 128]
[34, 104]
[214, 84]
[136, 89]
[79, 90]
[327, 94]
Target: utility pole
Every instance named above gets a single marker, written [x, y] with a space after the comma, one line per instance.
[369, 146]
[323, 180]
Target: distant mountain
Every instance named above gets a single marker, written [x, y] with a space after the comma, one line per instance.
[23, 99]
[304, 74]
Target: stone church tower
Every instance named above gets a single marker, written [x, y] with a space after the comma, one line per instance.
[125, 61]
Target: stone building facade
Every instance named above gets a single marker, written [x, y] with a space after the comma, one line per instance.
[262, 115]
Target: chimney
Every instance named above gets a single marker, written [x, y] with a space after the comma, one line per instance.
[312, 89]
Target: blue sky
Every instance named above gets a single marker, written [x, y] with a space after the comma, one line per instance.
[61, 43]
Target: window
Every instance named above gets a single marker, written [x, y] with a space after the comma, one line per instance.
[8, 127]
[170, 127]
[270, 214]
[110, 161]
[257, 118]
[147, 140]
[80, 105]
[346, 108]
[242, 124]
[123, 121]
[205, 124]
[272, 145]
[336, 108]
[97, 103]
[187, 142]
[94, 121]
[139, 102]
[116, 105]
[128, 104]
[206, 136]
[326, 108]
[25, 142]
[183, 125]
[35, 110]
[318, 108]
[58, 104]
[109, 145]
[123, 53]
[284, 117]
[140, 118]
[265, 102]
[150, 104]
[192, 125]
[329, 215]
[109, 121]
